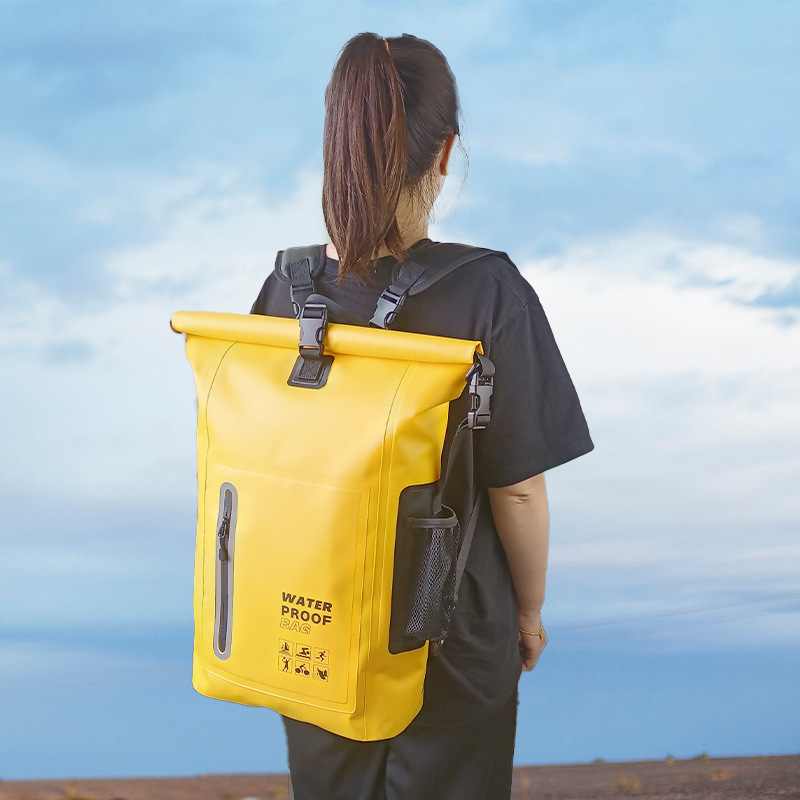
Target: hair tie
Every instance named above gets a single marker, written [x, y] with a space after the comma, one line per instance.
[386, 45]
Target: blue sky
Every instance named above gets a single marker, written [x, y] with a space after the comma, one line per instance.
[638, 161]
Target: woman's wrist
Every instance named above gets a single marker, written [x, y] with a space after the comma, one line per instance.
[530, 619]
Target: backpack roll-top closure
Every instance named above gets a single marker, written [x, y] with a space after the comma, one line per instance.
[340, 339]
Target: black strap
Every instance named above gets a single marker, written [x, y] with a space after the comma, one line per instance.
[428, 266]
[393, 297]
[428, 263]
[448, 460]
[466, 542]
[315, 254]
[300, 266]
[441, 258]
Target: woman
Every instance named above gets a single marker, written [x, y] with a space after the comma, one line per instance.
[391, 123]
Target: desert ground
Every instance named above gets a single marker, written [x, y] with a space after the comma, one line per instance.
[753, 778]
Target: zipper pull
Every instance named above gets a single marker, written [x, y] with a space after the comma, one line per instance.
[224, 535]
[224, 532]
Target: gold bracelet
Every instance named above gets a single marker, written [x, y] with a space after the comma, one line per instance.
[539, 634]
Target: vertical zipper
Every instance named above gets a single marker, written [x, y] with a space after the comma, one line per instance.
[226, 527]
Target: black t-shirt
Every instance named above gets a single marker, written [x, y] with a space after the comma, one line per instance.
[536, 424]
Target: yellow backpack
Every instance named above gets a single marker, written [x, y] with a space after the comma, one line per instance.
[325, 560]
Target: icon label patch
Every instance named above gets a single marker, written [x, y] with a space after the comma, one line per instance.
[298, 658]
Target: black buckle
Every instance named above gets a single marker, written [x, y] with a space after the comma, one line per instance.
[312, 366]
[313, 325]
[480, 380]
[389, 303]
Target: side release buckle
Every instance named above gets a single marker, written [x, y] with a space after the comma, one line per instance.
[312, 366]
[389, 304]
[480, 382]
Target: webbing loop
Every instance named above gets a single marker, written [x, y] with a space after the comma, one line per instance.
[302, 284]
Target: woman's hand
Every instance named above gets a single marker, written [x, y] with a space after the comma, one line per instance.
[530, 643]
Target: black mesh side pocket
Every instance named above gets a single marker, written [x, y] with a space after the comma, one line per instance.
[425, 557]
[433, 584]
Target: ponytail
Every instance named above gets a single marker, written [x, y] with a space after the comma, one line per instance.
[390, 106]
[364, 155]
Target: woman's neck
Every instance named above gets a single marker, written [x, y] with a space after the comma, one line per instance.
[409, 238]
[409, 234]
[412, 224]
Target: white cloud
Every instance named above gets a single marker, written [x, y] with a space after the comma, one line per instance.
[222, 245]
[636, 314]
[120, 424]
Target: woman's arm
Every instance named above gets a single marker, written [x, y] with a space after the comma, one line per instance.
[523, 524]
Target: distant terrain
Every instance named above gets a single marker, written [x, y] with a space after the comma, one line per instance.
[755, 778]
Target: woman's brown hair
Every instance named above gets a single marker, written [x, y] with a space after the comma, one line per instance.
[389, 107]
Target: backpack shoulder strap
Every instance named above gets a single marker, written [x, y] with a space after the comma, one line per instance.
[299, 266]
[415, 275]
[442, 258]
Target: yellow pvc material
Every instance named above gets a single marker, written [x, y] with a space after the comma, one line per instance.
[317, 474]
[345, 339]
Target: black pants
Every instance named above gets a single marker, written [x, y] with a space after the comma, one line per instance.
[471, 761]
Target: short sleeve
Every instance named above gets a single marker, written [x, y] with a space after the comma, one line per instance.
[537, 422]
